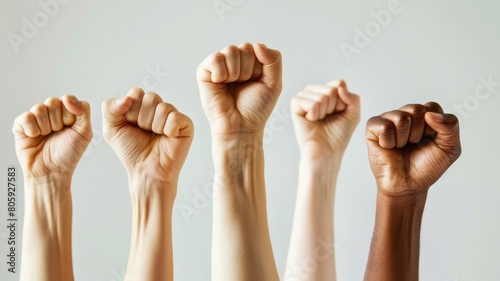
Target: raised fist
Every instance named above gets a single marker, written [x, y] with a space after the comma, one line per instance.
[324, 117]
[410, 148]
[239, 87]
[52, 137]
[150, 136]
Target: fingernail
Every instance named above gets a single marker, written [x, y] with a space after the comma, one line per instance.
[437, 117]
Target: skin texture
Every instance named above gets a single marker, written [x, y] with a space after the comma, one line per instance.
[152, 140]
[50, 141]
[239, 87]
[409, 150]
[324, 118]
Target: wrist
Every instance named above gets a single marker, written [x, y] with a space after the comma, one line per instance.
[320, 165]
[53, 184]
[401, 200]
[317, 182]
[229, 154]
[145, 189]
[239, 169]
[321, 155]
[396, 206]
[240, 139]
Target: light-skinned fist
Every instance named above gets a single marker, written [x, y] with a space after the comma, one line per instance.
[52, 137]
[410, 148]
[324, 118]
[151, 137]
[239, 87]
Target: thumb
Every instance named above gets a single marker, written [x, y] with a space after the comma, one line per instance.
[344, 94]
[351, 100]
[81, 110]
[271, 66]
[113, 111]
[447, 129]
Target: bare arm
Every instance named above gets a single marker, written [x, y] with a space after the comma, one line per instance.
[47, 245]
[151, 254]
[50, 140]
[152, 140]
[239, 87]
[241, 245]
[394, 254]
[409, 150]
[325, 117]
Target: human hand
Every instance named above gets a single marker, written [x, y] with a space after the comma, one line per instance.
[410, 148]
[150, 136]
[324, 117]
[52, 137]
[239, 88]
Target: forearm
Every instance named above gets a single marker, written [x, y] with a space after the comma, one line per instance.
[46, 251]
[395, 249]
[151, 255]
[312, 239]
[241, 248]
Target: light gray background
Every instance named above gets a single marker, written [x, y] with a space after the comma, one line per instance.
[431, 50]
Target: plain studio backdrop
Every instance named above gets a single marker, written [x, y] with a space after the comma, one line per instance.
[390, 52]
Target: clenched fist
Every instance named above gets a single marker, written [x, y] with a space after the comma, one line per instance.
[150, 136]
[324, 117]
[239, 87]
[52, 137]
[410, 148]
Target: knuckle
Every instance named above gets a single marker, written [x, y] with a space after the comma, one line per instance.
[323, 99]
[337, 83]
[302, 93]
[175, 116]
[402, 117]
[246, 48]
[371, 125]
[371, 121]
[386, 127]
[152, 97]
[216, 57]
[137, 90]
[310, 87]
[25, 117]
[162, 108]
[52, 102]
[294, 101]
[38, 109]
[415, 109]
[230, 49]
[316, 106]
[22, 120]
[332, 93]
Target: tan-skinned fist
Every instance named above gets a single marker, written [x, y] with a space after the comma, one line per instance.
[151, 137]
[52, 137]
[239, 87]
